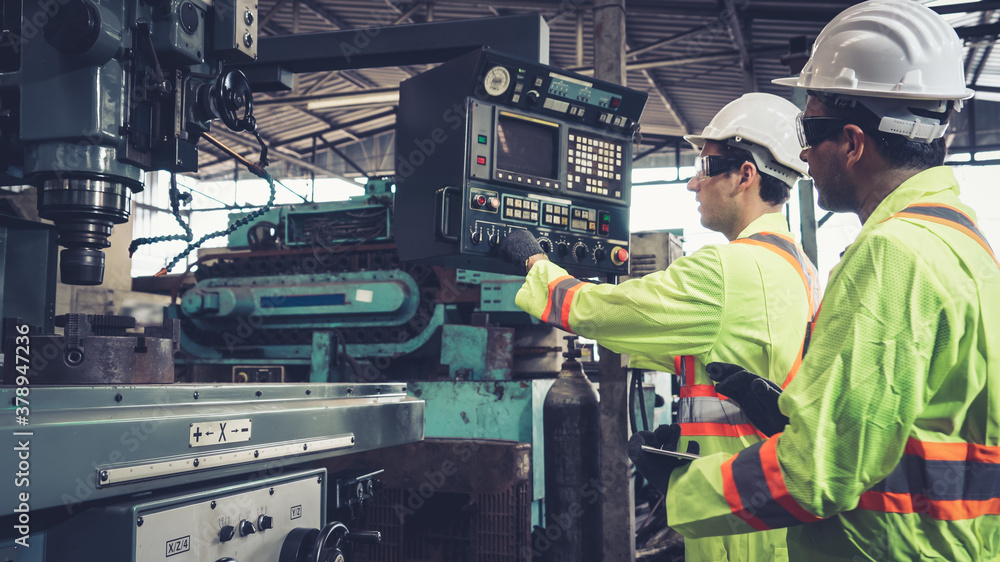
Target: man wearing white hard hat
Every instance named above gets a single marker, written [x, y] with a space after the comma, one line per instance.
[741, 302]
[892, 445]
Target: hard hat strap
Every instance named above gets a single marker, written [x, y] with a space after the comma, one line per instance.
[914, 130]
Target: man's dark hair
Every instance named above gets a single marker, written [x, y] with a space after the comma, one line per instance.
[772, 189]
[897, 150]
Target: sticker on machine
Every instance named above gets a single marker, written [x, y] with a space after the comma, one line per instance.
[207, 433]
[364, 295]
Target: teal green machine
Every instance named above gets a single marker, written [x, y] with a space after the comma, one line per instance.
[330, 301]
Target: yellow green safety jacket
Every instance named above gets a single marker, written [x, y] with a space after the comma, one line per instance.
[892, 450]
[740, 303]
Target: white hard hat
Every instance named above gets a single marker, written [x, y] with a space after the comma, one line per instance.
[886, 49]
[764, 125]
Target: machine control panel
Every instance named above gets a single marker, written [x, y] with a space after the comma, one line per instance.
[527, 146]
[249, 525]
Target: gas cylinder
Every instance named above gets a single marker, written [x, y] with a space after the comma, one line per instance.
[571, 423]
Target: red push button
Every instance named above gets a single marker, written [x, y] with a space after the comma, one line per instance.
[478, 200]
[619, 255]
[481, 160]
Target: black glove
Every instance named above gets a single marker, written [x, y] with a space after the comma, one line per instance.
[653, 467]
[757, 396]
[518, 246]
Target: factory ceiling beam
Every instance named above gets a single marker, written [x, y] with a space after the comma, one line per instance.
[663, 42]
[975, 49]
[668, 101]
[974, 31]
[740, 42]
[338, 126]
[266, 18]
[717, 56]
[702, 10]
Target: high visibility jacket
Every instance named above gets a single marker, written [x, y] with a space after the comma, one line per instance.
[892, 451]
[740, 303]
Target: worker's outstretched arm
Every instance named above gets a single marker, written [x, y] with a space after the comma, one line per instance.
[680, 308]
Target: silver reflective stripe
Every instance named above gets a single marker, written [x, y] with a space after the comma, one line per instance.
[708, 409]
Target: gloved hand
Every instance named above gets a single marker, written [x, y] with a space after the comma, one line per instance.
[518, 246]
[653, 467]
[757, 396]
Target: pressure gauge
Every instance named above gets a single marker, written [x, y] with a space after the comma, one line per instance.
[497, 80]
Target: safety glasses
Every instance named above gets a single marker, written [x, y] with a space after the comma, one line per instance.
[708, 166]
[814, 130]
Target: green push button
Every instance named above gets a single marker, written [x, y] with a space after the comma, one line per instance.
[482, 139]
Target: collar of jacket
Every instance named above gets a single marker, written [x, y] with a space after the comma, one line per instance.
[925, 185]
[770, 222]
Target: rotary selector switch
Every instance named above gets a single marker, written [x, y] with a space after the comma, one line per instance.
[546, 244]
[246, 528]
[580, 251]
[599, 253]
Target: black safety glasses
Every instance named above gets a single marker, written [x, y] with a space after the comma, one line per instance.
[814, 130]
[708, 166]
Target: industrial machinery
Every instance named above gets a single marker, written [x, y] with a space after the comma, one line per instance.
[487, 143]
[95, 93]
[108, 459]
[319, 289]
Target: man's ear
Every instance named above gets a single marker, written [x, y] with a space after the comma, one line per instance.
[748, 171]
[854, 148]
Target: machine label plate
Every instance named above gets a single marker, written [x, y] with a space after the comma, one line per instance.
[178, 546]
[203, 434]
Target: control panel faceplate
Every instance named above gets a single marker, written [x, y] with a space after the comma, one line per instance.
[249, 525]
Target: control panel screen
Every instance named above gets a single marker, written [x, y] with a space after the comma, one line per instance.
[527, 146]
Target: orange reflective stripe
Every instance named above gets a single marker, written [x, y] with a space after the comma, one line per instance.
[952, 451]
[952, 224]
[717, 429]
[789, 259]
[776, 482]
[948, 510]
[795, 366]
[732, 494]
[937, 213]
[698, 390]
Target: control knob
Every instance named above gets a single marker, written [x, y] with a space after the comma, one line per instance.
[599, 253]
[247, 528]
[532, 97]
[546, 244]
[563, 248]
[227, 533]
[265, 522]
[580, 251]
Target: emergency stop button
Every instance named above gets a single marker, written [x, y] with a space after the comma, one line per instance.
[619, 255]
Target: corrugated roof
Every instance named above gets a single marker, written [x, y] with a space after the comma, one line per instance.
[695, 50]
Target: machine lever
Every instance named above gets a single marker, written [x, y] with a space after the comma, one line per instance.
[364, 537]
